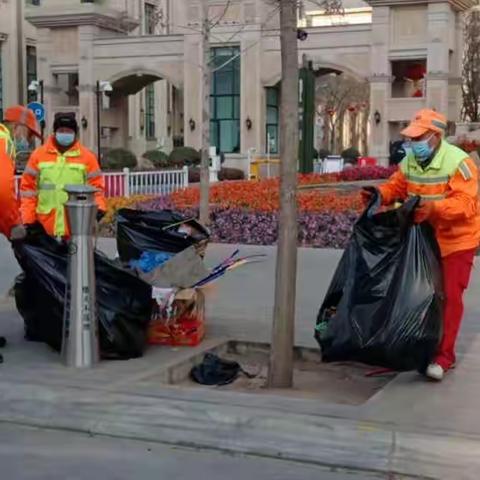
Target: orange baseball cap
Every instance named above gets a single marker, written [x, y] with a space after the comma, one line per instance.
[23, 116]
[424, 121]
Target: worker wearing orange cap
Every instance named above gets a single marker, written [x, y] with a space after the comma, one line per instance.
[446, 180]
[61, 161]
[17, 132]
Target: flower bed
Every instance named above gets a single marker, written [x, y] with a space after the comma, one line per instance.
[349, 175]
[246, 212]
[264, 195]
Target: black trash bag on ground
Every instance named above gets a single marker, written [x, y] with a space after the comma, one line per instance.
[384, 304]
[124, 302]
[155, 231]
[216, 371]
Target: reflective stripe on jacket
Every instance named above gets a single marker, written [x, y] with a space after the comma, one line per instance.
[42, 186]
[451, 182]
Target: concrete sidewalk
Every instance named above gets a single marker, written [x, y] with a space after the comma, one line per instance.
[410, 427]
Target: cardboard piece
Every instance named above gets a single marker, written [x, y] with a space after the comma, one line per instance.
[181, 271]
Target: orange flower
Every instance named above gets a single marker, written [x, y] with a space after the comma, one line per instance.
[264, 196]
[117, 203]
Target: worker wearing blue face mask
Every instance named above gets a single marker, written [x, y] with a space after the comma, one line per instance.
[446, 180]
[61, 161]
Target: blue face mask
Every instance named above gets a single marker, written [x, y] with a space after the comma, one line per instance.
[65, 139]
[21, 145]
[407, 148]
[422, 149]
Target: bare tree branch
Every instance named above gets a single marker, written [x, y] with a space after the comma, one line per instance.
[222, 16]
[336, 94]
[471, 68]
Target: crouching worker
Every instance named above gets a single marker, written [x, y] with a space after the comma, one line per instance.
[61, 161]
[446, 179]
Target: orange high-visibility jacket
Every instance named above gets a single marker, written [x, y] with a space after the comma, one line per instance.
[41, 189]
[451, 183]
[9, 212]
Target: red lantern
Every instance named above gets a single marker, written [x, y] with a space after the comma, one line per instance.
[415, 72]
[418, 94]
[352, 108]
[331, 111]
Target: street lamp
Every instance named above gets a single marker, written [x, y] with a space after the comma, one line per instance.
[102, 87]
[37, 86]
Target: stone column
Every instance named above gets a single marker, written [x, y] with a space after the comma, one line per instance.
[137, 141]
[252, 98]
[456, 66]
[162, 111]
[193, 90]
[439, 17]
[87, 86]
[10, 56]
[380, 84]
[44, 73]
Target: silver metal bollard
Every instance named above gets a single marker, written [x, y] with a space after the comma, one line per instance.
[80, 347]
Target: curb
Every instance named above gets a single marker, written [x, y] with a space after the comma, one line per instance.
[314, 439]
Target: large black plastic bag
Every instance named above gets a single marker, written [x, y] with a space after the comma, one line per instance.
[124, 302]
[384, 304]
[148, 231]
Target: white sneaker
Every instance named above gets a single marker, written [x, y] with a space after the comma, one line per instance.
[435, 372]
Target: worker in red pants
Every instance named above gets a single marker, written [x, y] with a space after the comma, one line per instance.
[457, 268]
[446, 180]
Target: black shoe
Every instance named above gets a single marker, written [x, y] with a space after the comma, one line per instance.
[3, 342]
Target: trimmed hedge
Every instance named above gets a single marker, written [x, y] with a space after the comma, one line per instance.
[223, 174]
[118, 158]
[159, 159]
[181, 156]
[351, 154]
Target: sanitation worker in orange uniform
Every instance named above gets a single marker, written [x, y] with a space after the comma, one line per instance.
[17, 131]
[63, 160]
[446, 180]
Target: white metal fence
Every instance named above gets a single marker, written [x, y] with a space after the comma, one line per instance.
[127, 183]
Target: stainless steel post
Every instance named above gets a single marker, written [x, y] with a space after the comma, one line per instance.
[80, 346]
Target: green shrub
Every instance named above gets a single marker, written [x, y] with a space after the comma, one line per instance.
[182, 156]
[223, 174]
[158, 158]
[118, 158]
[351, 154]
[231, 174]
[323, 153]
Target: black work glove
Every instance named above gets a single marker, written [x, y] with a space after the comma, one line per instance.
[18, 233]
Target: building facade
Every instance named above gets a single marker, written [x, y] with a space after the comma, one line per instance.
[150, 52]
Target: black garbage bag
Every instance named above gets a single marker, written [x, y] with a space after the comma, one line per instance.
[384, 304]
[124, 302]
[155, 231]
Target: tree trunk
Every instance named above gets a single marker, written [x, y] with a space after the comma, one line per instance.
[340, 132]
[205, 162]
[281, 354]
